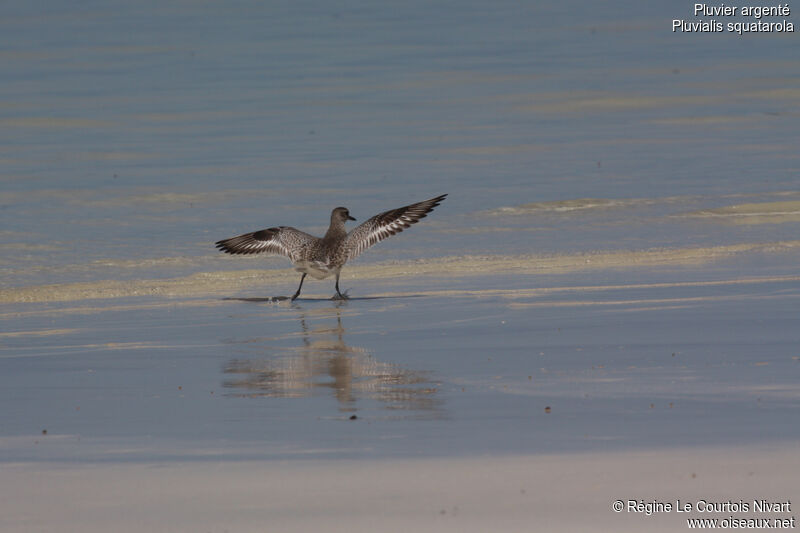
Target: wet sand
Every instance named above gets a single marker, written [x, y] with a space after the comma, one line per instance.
[565, 383]
[554, 492]
[657, 338]
[222, 282]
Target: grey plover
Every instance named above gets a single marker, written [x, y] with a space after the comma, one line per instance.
[326, 256]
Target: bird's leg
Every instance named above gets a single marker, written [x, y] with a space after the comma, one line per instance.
[339, 295]
[300, 287]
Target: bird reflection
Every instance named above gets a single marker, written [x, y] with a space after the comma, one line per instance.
[325, 362]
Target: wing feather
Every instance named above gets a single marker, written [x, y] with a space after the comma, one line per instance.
[386, 224]
[283, 240]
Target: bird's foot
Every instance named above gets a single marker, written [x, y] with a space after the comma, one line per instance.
[340, 296]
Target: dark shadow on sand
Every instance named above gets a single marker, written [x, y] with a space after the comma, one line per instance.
[273, 299]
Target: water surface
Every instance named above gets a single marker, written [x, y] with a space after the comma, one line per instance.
[614, 267]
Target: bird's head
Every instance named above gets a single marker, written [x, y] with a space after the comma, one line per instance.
[341, 214]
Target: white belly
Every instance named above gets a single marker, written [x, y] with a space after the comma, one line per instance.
[315, 269]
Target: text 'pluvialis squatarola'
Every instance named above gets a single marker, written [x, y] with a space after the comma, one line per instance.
[323, 257]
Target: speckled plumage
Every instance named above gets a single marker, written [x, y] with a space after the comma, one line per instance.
[323, 257]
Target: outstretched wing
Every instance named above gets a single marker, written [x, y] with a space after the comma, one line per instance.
[387, 224]
[282, 240]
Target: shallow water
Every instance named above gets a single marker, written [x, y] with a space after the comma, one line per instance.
[426, 373]
[619, 243]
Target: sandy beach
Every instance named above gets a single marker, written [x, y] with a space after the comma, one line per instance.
[556, 492]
